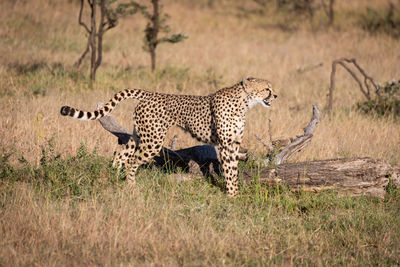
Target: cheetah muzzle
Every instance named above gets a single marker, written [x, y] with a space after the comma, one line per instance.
[218, 118]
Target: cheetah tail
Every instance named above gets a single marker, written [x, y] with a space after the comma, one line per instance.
[108, 107]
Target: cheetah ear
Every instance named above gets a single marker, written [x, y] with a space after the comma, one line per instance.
[244, 82]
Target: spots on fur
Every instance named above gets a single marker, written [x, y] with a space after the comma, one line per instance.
[218, 118]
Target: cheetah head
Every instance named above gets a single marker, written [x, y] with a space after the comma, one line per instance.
[259, 91]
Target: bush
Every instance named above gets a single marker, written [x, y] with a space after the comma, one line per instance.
[387, 22]
[79, 176]
[386, 102]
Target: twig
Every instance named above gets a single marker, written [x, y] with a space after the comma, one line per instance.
[82, 57]
[308, 68]
[262, 141]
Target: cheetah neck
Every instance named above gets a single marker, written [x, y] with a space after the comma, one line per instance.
[254, 102]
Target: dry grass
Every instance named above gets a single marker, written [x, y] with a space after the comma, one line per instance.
[168, 223]
[223, 46]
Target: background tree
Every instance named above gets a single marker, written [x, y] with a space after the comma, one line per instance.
[329, 11]
[155, 26]
[108, 20]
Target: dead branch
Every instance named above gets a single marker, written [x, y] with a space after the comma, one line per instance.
[80, 17]
[110, 124]
[265, 144]
[302, 141]
[343, 62]
[82, 57]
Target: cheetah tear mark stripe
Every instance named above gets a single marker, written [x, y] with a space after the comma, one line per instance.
[108, 107]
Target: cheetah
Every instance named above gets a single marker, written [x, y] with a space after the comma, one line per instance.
[217, 119]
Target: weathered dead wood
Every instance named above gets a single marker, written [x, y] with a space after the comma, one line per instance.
[345, 62]
[356, 176]
[301, 141]
[287, 148]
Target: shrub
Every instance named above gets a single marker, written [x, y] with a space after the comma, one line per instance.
[386, 102]
[79, 176]
[387, 22]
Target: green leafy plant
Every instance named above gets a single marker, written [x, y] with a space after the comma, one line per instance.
[387, 22]
[76, 176]
[386, 101]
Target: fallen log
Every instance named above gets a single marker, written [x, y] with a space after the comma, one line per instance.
[354, 176]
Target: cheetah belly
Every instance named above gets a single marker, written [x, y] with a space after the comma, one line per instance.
[200, 126]
[201, 131]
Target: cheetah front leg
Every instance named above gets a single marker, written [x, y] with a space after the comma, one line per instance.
[229, 161]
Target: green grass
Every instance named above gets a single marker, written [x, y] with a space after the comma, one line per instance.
[193, 222]
[79, 176]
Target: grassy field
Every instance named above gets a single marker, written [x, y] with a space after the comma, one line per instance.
[62, 204]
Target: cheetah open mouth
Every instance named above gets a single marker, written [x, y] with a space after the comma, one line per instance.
[266, 102]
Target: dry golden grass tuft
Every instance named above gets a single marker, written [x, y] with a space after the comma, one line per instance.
[41, 40]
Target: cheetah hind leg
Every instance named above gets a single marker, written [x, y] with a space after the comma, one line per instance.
[143, 154]
[120, 159]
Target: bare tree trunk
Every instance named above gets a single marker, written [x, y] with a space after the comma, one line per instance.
[93, 40]
[331, 12]
[153, 59]
[154, 34]
[100, 36]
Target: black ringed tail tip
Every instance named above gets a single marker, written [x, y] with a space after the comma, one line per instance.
[65, 110]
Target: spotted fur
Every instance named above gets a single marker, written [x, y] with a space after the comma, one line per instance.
[218, 118]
